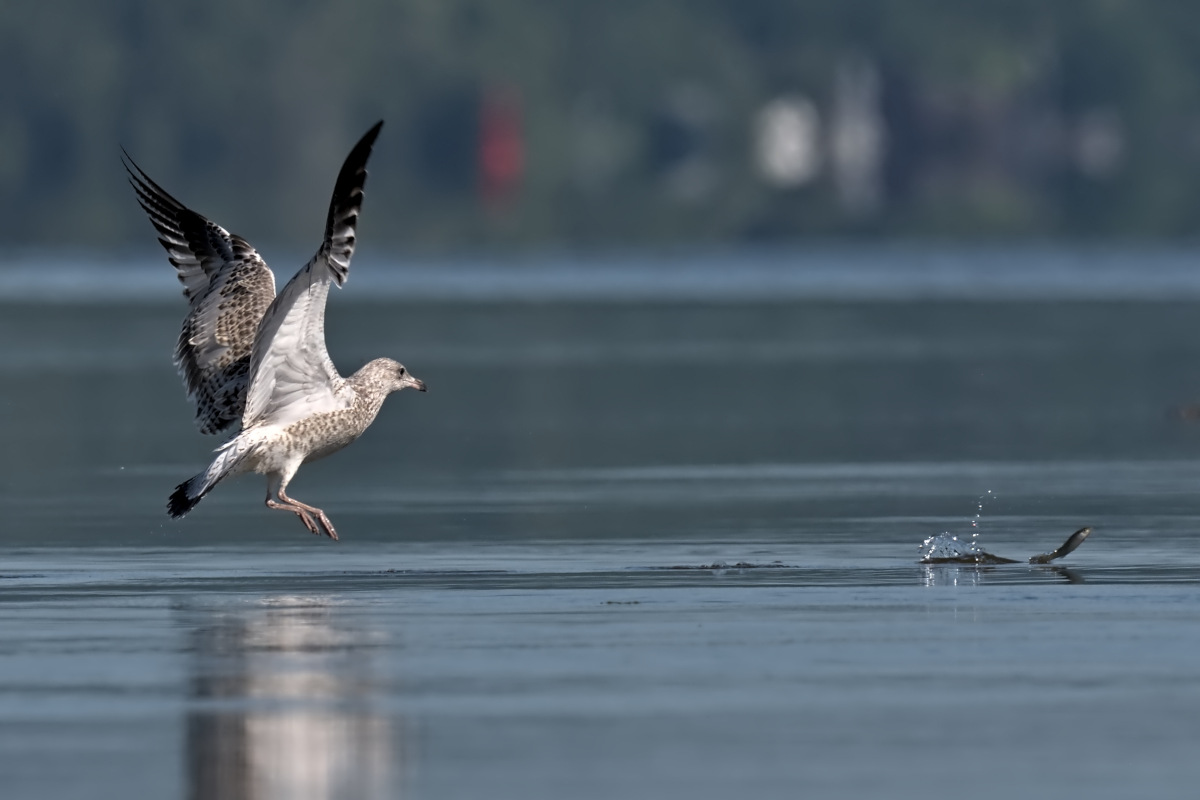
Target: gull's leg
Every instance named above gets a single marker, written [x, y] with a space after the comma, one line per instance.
[313, 518]
[313, 511]
[302, 513]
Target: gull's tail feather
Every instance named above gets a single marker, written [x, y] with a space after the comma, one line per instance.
[189, 493]
[186, 495]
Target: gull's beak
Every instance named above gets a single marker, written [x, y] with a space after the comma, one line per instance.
[415, 383]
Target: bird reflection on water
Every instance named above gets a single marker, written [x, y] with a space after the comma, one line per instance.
[281, 706]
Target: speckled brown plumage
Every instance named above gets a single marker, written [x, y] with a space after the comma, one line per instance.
[278, 450]
[294, 407]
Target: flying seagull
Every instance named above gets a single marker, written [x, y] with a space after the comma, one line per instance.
[249, 356]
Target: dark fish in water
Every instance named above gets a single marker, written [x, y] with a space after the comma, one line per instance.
[1073, 541]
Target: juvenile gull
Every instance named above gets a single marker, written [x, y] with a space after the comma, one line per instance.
[246, 354]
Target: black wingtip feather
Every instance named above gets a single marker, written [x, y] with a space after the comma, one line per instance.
[345, 204]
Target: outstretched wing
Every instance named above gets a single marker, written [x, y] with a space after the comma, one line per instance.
[291, 374]
[228, 288]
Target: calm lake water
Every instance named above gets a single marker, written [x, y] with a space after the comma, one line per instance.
[652, 532]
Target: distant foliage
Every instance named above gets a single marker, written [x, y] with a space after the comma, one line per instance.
[606, 122]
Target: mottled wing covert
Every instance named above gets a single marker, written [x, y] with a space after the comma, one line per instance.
[229, 288]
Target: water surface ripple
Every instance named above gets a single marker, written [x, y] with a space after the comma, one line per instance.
[635, 542]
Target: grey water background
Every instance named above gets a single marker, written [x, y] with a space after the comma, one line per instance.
[652, 532]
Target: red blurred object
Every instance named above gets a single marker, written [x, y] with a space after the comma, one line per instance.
[501, 147]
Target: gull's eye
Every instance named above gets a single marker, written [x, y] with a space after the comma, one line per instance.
[402, 370]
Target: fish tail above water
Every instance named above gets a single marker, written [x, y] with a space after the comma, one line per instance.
[1073, 541]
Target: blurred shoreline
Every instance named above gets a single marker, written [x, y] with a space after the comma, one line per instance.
[832, 271]
[851, 271]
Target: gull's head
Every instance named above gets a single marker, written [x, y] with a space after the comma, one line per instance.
[390, 375]
[403, 379]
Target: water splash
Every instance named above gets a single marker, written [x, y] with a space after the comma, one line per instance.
[944, 546]
[948, 546]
